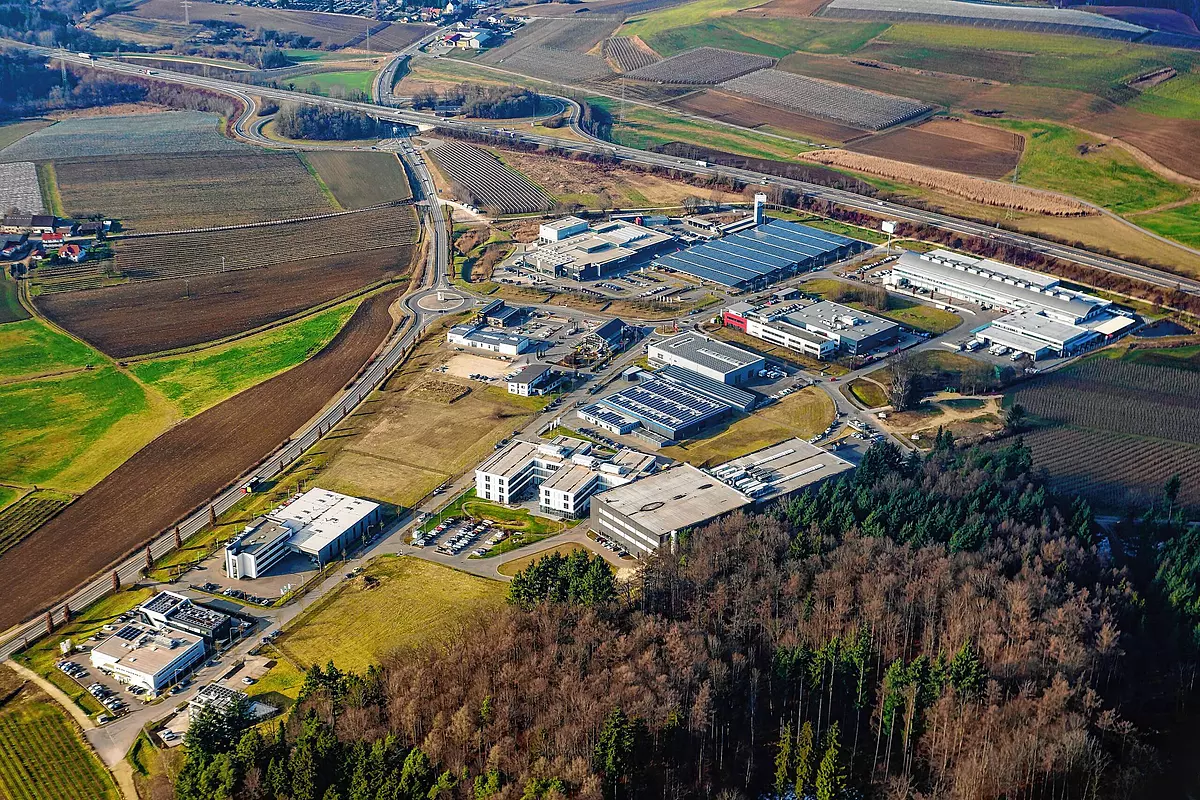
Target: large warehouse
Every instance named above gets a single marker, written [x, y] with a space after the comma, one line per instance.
[590, 253]
[708, 357]
[319, 524]
[762, 255]
[780, 470]
[820, 330]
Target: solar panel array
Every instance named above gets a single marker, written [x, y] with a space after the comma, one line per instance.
[760, 255]
[729, 395]
[670, 406]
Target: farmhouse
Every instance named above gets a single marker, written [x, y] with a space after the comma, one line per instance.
[570, 248]
[141, 655]
[319, 524]
[708, 357]
[72, 252]
[761, 255]
[29, 223]
[563, 470]
[483, 338]
[52, 241]
[13, 245]
[820, 330]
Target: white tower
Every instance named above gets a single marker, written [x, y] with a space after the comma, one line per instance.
[760, 208]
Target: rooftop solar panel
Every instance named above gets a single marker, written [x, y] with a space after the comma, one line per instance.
[762, 245]
[700, 272]
[715, 261]
[738, 249]
[835, 239]
[800, 250]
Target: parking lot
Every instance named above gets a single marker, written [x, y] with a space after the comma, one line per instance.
[455, 535]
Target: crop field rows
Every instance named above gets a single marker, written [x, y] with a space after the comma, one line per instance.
[19, 187]
[142, 134]
[947, 144]
[578, 35]
[70, 277]
[187, 254]
[178, 192]
[556, 65]
[361, 180]
[491, 183]
[1052, 20]
[626, 55]
[26, 515]
[41, 757]
[838, 102]
[703, 66]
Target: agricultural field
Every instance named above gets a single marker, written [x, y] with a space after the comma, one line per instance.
[178, 192]
[68, 431]
[647, 128]
[136, 134]
[752, 114]
[180, 469]
[986, 15]
[19, 187]
[664, 19]
[977, 190]
[11, 309]
[30, 348]
[950, 145]
[13, 131]
[485, 180]
[343, 84]
[749, 32]
[153, 316]
[397, 602]
[1178, 97]
[800, 415]
[422, 428]
[555, 65]
[627, 54]
[196, 381]
[578, 35]
[845, 104]
[42, 755]
[24, 516]
[360, 180]
[703, 66]
[1181, 223]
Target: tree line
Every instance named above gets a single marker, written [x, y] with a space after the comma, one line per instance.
[312, 122]
[483, 102]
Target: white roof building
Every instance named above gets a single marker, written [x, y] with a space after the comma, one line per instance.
[142, 655]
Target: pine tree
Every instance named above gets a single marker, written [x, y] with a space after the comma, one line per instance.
[804, 759]
[831, 779]
[783, 761]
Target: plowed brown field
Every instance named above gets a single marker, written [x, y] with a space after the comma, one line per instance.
[739, 111]
[1173, 143]
[150, 316]
[786, 8]
[180, 470]
[945, 144]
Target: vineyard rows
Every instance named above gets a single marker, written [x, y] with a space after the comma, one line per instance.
[702, 66]
[25, 516]
[1054, 20]
[1119, 397]
[1114, 471]
[187, 254]
[41, 758]
[65, 277]
[19, 187]
[490, 183]
[834, 101]
[626, 55]
[551, 64]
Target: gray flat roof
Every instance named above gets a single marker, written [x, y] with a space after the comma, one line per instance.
[529, 372]
[676, 498]
[708, 353]
[781, 469]
[847, 322]
[1039, 326]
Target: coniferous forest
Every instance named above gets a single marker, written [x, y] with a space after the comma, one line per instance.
[927, 627]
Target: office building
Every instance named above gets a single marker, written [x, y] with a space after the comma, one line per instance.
[176, 612]
[533, 380]
[141, 655]
[820, 330]
[591, 253]
[708, 357]
[483, 338]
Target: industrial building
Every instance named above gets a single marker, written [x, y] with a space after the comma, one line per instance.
[614, 335]
[668, 406]
[820, 330]
[141, 655]
[650, 513]
[1045, 319]
[570, 248]
[708, 357]
[761, 255]
[780, 470]
[563, 471]
[176, 612]
[319, 524]
[501, 315]
[483, 338]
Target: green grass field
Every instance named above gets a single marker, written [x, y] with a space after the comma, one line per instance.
[67, 432]
[306, 56]
[342, 83]
[681, 16]
[281, 685]
[196, 381]
[399, 602]
[7, 496]
[869, 394]
[18, 130]
[42, 756]
[11, 309]
[646, 127]
[30, 347]
[1178, 97]
[1181, 223]
[767, 36]
[1106, 176]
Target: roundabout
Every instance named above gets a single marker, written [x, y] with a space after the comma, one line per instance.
[441, 301]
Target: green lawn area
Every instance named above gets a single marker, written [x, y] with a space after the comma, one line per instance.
[1178, 98]
[8, 495]
[1181, 223]
[196, 381]
[511, 568]
[30, 347]
[916, 315]
[18, 130]
[42, 756]
[281, 685]
[69, 431]
[767, 36]
[11, 309]
[306, 56]
[868, 393]
[343, 83]
[800, 415]
[681, 16]
[645, 127]
[1106, 176]
[1176, 357]
[398, 602]
[715, 33]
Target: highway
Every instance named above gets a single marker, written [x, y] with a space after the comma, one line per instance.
[1159, 278]
[390, 354]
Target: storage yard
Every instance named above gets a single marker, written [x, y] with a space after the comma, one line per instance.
[844, 104]
[703, 66]
[488, 181]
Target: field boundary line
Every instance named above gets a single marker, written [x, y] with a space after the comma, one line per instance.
[264, 224]
[56, 694]
[321, 184]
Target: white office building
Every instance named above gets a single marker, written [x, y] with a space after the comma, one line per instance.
[713, 359]
[141, 655]
[563, 472]
[484, 338]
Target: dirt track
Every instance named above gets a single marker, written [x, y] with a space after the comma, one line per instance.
[180, 470]
[151, 316]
